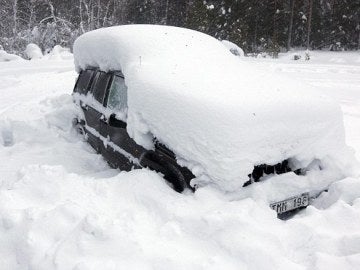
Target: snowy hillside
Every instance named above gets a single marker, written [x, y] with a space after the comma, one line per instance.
[62, 207]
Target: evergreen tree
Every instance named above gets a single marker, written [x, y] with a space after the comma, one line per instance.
[255, 25]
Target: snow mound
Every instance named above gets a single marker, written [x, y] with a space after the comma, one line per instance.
[60, 53]
[219, 115]
[233, 48]
[6, 57]
[33, 51]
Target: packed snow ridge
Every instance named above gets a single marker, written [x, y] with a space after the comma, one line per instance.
[220, 115]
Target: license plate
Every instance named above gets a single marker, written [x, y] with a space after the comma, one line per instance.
[291, 203]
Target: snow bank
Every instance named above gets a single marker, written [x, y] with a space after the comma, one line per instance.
[5, 57]
[324, 57]
[33, 51]
[233, 48]
[221, 116]
[60, 53]
[53, 219]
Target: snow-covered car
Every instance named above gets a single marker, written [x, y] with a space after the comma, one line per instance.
[178, 102]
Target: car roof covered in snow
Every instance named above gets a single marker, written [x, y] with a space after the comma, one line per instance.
[143, 43]
[218, 113]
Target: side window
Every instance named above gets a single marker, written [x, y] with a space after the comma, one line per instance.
[83, 82]
[117, 98]
[99, 86]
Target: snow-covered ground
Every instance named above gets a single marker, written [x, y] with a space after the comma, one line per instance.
[62, 207]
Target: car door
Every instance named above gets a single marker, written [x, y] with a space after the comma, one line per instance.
[94, 106]
[122, 150]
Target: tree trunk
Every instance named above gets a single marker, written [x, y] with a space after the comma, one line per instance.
[92, 20]
[81, 18]
[52, 10]
[105, 18]
[292, 5]
[254, 46]
[15, 8]
[98, 14]
[88, 15]
[31, 18]
[274, 23]
[167, 12]
[309, 24]
[274, 50]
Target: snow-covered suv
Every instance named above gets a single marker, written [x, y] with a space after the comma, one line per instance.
[177, 101]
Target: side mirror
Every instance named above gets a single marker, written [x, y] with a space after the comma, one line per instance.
[114, 122]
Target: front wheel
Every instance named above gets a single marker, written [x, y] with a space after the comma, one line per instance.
[175, 177]
[172, 174]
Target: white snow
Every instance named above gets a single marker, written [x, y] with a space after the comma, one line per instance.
[59, 53]
[210, 7]
[62, 207]
[221, 115]
[233, 48]
[33, 51]
[6, 57]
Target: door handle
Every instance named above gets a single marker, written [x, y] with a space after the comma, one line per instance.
[114, 122]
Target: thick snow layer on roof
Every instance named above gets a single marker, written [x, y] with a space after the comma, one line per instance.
[220, 115]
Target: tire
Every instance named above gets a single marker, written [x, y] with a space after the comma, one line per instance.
[172, 174]
[175, 177]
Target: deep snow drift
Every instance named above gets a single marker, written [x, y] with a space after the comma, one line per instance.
[61, 207]
[219, 114]
[6, 57]
[33, 51]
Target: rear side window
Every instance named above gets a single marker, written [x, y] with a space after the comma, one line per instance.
[117, 98]
[99, 86]
[83, 82]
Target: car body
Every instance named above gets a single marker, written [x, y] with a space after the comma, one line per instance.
[178, 102]
[101, 95]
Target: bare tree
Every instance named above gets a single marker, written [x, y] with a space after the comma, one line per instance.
[292, 5]
[52, 10]
[15, 9]
[309, 24]
[81, 23]
[166, 12]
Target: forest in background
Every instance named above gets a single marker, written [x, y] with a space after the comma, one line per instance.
[256, 26]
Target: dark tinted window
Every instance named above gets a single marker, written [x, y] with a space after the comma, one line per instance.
[99, 86]
[83, 82]
[117, 99]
